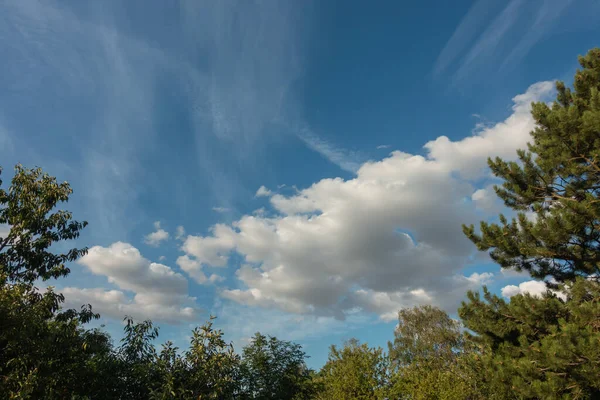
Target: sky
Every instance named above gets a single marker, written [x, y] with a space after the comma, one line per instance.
[296, 168]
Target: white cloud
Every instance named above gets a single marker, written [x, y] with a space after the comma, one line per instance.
[486, 200]
[233, 99]
[179, 232]
[211, 251]
[346, 160]
[194, 269]
[156, 237]
[495, 35]
[388, 238]
[249, 86]
[469, 155]
[383, 146]
[546, 16]
[463, 34]
[263, 192]
[158, 292]
[490, 39]
[116, 304]
[220, 209]
[447, 296]
[532, 287]
[260, 212]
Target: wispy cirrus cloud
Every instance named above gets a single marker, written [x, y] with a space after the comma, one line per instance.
[230, 69]
[489, 40]
[349, 161]
[546, 16]
[92, 86]
[496, 36]
[463, 35]
[255, 56]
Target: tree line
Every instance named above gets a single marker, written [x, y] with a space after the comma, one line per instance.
[528, 347]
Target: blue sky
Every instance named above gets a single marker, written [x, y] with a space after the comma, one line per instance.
[298, 168]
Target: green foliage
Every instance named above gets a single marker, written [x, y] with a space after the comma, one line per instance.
[27, 208]
[170, 369]
[558, 180]
[355, 371]
[136, 360]
[544, 347]
[425, 333]
[547, 347]
[211, 364]
[274, 369]
[431, 359]
[44, 352]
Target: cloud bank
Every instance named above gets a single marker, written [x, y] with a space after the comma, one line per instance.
[159, 293]
[389, 238]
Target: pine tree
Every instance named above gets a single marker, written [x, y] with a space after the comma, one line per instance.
[539, 347]
[547, 347]
[558, 180]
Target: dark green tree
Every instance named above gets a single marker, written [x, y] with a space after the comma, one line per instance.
[547, 347]
[539, 347]
[27, 208]
[170, 369]
[558, 180]
[138, 373]
[354, 371]
[44, 351]
[274, 369]
[211, 365]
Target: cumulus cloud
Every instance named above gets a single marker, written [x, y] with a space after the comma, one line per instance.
[469, 155]
[447, 296]
[155, 238]
[158, 292]
[263, 192]
[194, 269]
[485, 199]
[179, 232]
[512, 273]
[389, 238]
[532, 287]
[116, 304]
